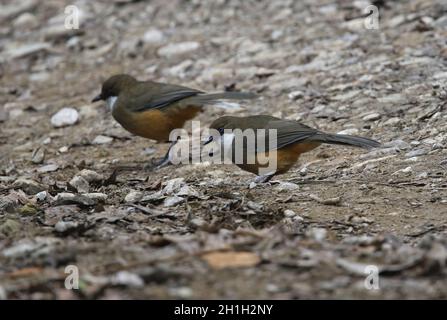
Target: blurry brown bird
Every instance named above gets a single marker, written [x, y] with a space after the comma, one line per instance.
[292, 139]
[152, 110]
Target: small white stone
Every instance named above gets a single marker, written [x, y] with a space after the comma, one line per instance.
[371, 117]
[90, 175]
[65, 117]
[175, 49]
[133, 196]
[102, 139]
[349, 131]
[287, 186]
[63, 149]
[63, 226]
[295, 95]
[98, 196]
[153, 36]
[80, 184]
[41, 196]
[173, 201]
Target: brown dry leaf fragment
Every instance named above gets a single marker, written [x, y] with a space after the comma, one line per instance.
[231, 259]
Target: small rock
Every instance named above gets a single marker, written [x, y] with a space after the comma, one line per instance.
[182, 292]
[179, 70]
[392, 121]
[416, 153]
[173, 201]
[65, 117]
[26, 21]
[133, 197]
[126, 278]
[175, 49]
[398, 144]
[102, 139]
[294, 95]
[38, 155]
[65, 226]
[350, 131]
[41, 196]
[29, 186]
[371, 117]
[153, 36]
[80, 184]
[286, 186]
[91, 176]
[293, 215]
[70, 198]
[97, 196]
[319, 234]
[63, 149]
[48, 168]
[255, 206]
[21, 51]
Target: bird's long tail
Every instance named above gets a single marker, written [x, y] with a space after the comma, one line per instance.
[216, 99]
[346, 140]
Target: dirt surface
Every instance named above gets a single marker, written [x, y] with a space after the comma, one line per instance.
[198, 231]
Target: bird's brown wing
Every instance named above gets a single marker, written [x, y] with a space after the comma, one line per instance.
[154, 95]
[287, 132]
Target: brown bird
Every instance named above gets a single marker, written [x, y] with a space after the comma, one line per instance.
[292, 139]
[152, 110]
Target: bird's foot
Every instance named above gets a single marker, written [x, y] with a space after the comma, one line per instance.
[156, 164]
[261, 179]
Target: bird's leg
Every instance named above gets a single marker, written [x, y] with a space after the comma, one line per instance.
[163, 162]
[265, 178]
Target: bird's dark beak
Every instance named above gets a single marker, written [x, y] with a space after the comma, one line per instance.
[97, 98]
[210, 139]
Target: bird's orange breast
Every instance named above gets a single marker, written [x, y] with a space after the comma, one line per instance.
[285, 157]
[155, 124]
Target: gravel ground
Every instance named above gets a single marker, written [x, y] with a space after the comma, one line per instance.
[73, 190]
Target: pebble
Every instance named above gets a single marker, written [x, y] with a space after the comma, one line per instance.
[392, 121]
[97, 196]
[350, 131]
[29, 186]
[38, 155]
[41, 196]
[64, 226]
[286, 186]
[102, 139]
[292, 214]
[295, 95]
[153, 36]
[70, 198]
[133, 197]
[416, 153]
[24, 50]
[398, 144]
[90, 175]
[173, 201]
[65, 117]
[48, 168]
[80, 184]
[371, 117]
[25, 21]
[176, 49]
[129, 279]
[319, 234]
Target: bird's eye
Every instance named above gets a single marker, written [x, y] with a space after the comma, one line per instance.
[221, 131]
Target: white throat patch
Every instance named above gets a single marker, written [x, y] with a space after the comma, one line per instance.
[111, 101]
